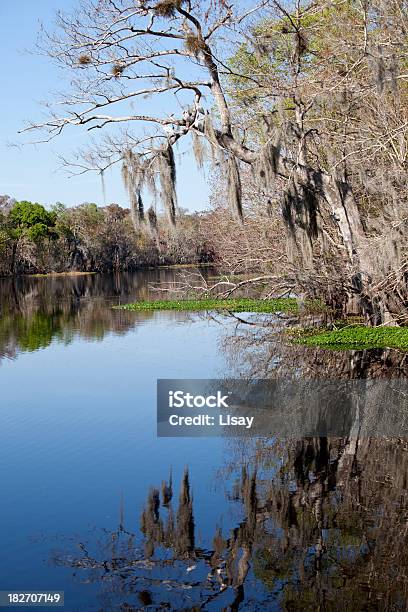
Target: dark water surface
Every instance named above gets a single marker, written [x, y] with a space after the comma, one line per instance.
[94, 504]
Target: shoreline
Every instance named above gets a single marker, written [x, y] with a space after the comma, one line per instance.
[83, 273]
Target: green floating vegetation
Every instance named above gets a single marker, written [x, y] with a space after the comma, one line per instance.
[358, 337]
[233, 305]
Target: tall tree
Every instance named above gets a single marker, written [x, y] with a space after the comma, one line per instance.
[324, 83]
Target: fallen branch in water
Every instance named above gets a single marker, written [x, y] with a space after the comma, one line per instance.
[196, 283]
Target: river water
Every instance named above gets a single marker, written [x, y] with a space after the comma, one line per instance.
[95, 505]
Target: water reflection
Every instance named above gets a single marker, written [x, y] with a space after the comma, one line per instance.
[259, 349]
[305, 524]
[327, 530]
[321, 522]
[36, 311]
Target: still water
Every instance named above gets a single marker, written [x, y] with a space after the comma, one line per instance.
[95, 505]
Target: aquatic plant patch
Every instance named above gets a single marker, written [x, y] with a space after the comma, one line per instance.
[233, 305]
[358, 337]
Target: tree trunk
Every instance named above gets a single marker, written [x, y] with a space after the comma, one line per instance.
[14, 257]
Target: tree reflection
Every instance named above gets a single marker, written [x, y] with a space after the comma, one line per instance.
[325, 531]
[324, 526]
[322, 522]
[262, 348]
[36, 311]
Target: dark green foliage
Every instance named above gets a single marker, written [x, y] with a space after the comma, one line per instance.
[32, 220]
[88, 238]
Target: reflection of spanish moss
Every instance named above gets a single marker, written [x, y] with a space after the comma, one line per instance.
[150, 523]
[185, 519]
[167, 490]
[327, 528]
[176, 533]
[241, 540]
[230, 559]
[136, 570]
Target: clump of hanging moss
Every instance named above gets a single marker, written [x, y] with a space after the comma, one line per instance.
[356, 337]
[150, 173]
[117, 70]
[167, 8]
[194, 44]
[84, 59]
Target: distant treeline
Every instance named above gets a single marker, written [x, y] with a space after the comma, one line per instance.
[89, 238]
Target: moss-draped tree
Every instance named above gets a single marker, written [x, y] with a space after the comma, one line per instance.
[310, 95]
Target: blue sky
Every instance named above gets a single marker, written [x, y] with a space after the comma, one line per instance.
[34, 173]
